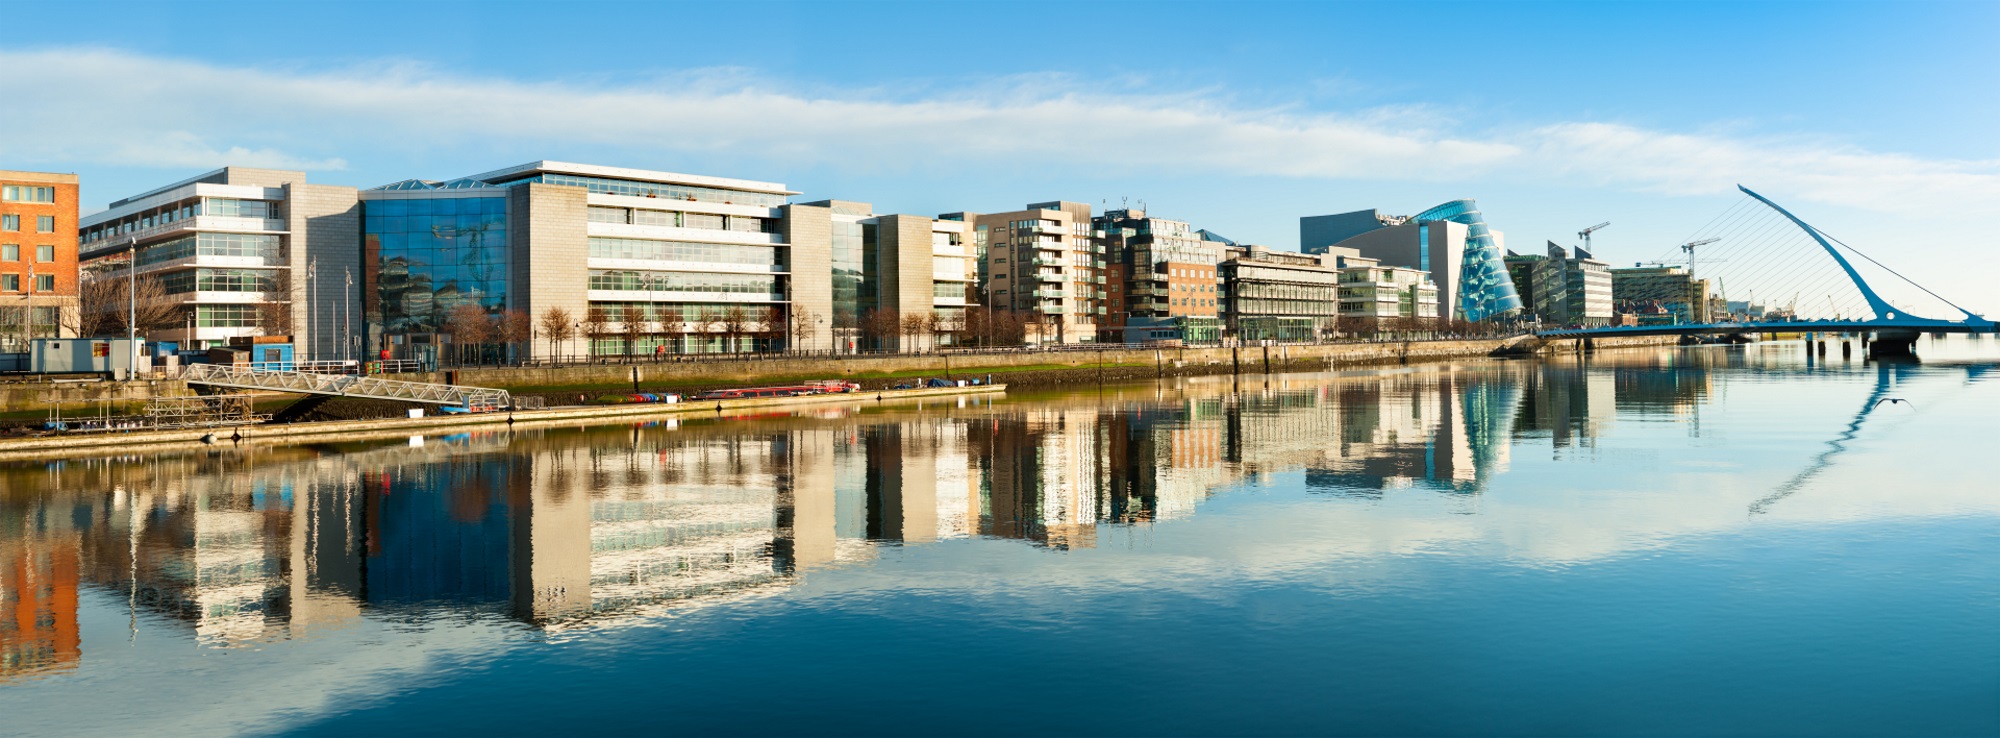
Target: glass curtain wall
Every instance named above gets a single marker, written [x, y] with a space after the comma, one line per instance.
[425, 257]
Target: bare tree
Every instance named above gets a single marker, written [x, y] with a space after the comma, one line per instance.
[631, 325]
[977, 325]
[802, 329]
[735, 322]
[846, 325]
[773, 325]
[276, 319]
[103, 305]
[518, 329]
[879, 326]
[596, 325]
[557, 327]
[936, 323]
[913, 326]
[470, 329]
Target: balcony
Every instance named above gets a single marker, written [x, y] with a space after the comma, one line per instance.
[1099, 279]
[1099, 264]
[1048, 293]
[1048, 276]
[1043, 261]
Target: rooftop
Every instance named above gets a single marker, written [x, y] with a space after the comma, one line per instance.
[636, 175]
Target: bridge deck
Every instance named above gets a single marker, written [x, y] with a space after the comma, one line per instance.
[345, 385]
[1801, 326]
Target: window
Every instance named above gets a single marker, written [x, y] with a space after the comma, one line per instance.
[45, 254]
[608, 215]
[45, 283]
[10, 282]
[10, 222]
[45, 224]
[10, 252]
[24, 193]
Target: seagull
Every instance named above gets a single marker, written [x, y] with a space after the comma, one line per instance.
[1878, 403]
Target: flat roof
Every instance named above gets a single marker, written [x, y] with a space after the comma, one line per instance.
[24, 176]
[638, 175]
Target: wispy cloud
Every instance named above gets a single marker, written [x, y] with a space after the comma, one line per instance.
[115, 107]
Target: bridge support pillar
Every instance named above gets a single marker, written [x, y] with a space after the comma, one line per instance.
[1846, 350]
[1893, 345]
[1822, 347]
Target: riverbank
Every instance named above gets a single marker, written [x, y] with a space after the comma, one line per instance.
[26, 404]
[98, 444]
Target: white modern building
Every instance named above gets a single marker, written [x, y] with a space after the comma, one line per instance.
[239, 252]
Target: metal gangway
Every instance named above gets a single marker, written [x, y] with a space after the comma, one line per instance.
[346, 385]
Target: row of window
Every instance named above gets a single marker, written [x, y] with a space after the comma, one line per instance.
[676, 312]
[44, 254]
[27, 193]
[220, 280]
[712, 253]
[437, 206]
[213, 244]
[226, 206]
[43, 223]
[12, 283]
[677, 219]
[637, 281]
[225, 316]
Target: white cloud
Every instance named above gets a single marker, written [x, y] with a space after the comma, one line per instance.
[114, 107]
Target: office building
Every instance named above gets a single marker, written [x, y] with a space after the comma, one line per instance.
[1571, 289]
[1660, 295]
[1451, 242]
[1279, 295]
[239, 252]
[649, 262]
[1374, 292]
[1042, 263]
[38, 264]
[639, 261]
[1166, 271]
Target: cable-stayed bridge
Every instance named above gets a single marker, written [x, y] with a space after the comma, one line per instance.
[1771, 272]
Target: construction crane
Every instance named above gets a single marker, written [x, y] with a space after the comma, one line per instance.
[1689, 247]
[1585, 234]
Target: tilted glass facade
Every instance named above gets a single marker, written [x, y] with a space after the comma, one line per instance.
[1484, 288]
[425, 256]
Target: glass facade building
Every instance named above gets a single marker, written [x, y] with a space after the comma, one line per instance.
[429, 249]
[1485, 290]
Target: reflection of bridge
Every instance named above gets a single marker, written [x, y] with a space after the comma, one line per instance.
[1895, 329]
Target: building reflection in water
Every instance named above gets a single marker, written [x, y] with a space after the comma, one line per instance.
[594, 526]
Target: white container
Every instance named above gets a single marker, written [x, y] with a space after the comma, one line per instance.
[416, 412]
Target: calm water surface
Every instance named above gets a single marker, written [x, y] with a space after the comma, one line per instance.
[1656, 542]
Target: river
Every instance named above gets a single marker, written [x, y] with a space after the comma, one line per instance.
[1641, 542]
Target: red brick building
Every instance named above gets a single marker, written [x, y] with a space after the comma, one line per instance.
[38, 264]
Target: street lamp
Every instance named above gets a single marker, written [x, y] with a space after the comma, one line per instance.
[132, 307]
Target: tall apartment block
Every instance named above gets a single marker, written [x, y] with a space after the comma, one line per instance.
[240, 252]
[1279, 295]
[1045, 264]
[38, 265]
[1167, 271]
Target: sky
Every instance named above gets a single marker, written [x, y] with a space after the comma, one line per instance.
[1872, 121]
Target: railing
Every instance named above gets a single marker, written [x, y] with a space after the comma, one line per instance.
[346, 385]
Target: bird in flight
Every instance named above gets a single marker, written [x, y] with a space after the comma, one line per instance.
[1893, 400]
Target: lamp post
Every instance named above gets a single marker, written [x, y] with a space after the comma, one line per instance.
[347, 313]
[132, 307]
[312, 305]
[576, 328]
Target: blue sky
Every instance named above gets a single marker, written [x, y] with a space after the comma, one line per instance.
[1872, 120]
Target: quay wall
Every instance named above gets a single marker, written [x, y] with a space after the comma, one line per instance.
[1054, 367]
